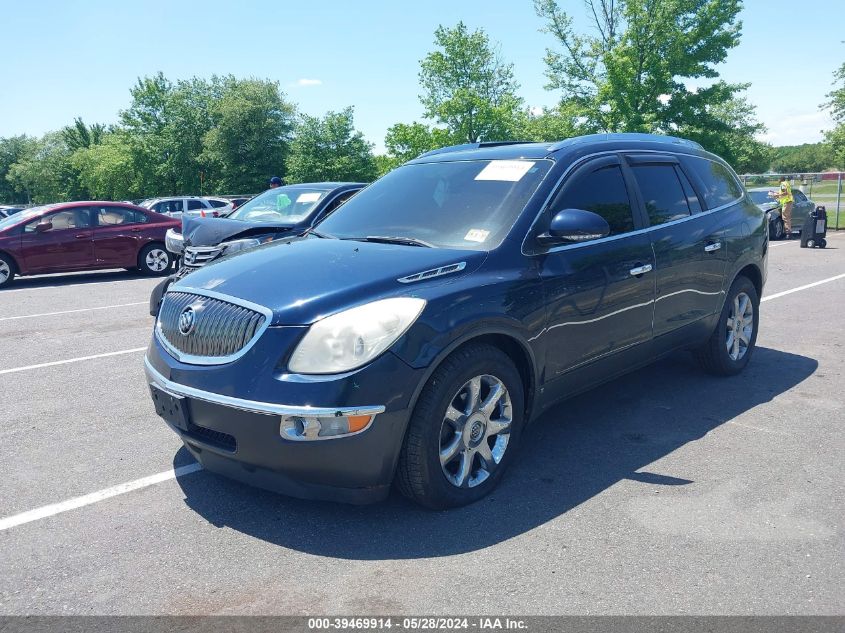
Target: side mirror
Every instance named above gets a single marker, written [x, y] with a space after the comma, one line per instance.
[573, 226]
[43, 227]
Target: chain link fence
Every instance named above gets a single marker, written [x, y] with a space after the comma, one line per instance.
[824, 189]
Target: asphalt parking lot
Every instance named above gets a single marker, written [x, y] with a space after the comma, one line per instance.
[664, 492]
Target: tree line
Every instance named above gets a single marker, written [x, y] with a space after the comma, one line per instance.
[622, 66]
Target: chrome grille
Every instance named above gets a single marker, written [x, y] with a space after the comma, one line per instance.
[220, 330]
[196, 256]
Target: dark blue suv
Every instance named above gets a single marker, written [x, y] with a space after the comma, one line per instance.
[413, 334]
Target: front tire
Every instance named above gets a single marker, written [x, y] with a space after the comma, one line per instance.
[464, 430]
[154, 260]
[730, 346]
[777, 229]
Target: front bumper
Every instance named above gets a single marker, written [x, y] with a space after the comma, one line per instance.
[240, 438]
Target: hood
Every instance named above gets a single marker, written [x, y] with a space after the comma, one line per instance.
[303, 280]
[199, 231]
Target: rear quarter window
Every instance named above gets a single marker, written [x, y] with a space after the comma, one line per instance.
[719, 185]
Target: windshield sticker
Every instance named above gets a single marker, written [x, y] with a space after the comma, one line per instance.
[476, 235]
[312, 196]
[505, 170]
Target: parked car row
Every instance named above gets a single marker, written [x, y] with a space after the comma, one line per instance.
[178, 206]
[275, 214]
[6, 211]
[77, 236]
[410, 336]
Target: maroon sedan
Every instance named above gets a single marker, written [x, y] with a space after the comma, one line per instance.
[76, 236]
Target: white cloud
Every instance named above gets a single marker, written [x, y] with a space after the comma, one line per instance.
[309, 82]
[795, 128]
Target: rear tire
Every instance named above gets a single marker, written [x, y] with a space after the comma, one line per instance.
[811, 243]
[464, 429]
[822, 243]
[7, 270]
[154, 260]
[777, 231]
[730, 346]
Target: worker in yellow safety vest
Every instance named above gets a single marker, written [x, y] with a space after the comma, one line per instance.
[784, 196]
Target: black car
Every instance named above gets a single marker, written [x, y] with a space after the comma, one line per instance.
[413, 334]
[275, 214]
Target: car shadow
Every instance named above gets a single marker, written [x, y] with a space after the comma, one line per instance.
[571, 454]
[67, 279]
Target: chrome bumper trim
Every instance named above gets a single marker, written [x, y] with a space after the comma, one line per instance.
[267, 408]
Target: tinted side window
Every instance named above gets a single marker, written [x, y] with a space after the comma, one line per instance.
[169, 206]
[601, 191]
[195, 204]
[110, 216]
[799, 196]
[720, 186]
[214, 203]
[76, 218]
[663, 195]
[692, 199]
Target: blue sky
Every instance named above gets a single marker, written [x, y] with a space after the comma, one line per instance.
[67, 59]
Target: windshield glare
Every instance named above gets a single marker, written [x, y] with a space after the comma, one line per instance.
[21, 216]
[760, 197]
[286, 205]
[462, 204]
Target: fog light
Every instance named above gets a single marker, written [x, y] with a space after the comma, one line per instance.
[297, 427]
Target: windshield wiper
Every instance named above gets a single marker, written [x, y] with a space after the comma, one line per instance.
[389, 239]
[313, 231]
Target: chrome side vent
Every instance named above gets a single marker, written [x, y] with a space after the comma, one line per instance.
[434, 272]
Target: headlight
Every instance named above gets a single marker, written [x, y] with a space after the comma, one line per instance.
[349, 339]
[174, 242]
[236, 246]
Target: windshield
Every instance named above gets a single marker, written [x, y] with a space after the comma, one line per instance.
[286, 205]
[760, 197]
[462, 204]
[17, 218]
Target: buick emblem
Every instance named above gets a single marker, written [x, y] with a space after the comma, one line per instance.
[187, 321]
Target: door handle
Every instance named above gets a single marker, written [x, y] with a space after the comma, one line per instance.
[80, 236]
[712, 247]
[135, 230]
[640, 270]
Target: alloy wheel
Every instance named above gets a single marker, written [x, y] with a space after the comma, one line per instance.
[157, 260]
[5, 272]
[475, 431]
[740, 327]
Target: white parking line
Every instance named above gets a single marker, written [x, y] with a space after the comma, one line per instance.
[44, 314]
[113, 491]
[78, 502]
[14, 370]
[804, 287]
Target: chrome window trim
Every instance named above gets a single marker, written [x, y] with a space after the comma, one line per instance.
[190, 359]
[581, 161]
[255, 406]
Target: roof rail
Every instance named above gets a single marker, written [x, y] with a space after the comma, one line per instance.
[626, 136]
[465, 146]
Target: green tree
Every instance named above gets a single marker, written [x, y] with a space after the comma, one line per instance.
[836, 136]
[46, 174]
[82, 136]
[468, 88]
[250, 137]
[330, 149]
[107, 169]
[405, 142]
[641, 68]
[14, 149]
[809, 157]
[552, 124]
